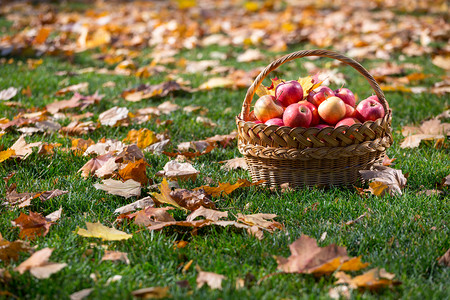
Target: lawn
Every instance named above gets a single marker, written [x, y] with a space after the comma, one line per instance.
[404, 234]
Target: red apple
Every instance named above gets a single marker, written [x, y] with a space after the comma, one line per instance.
[346, 95]
[275, 121]
[315, 113]
[369, 110]
[375, 97]
[350, 111]
[347, 121]
[288, 93]
[257, 122]
[267, 108]
[332, 110]
[297, 115]
[318, 97]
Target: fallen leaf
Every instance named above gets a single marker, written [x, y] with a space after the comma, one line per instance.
[78, 128]
[339, 292]
[8, 93]
[429, 193]
[442, 61]
[192, 200]
[176, 170]
[47, 195]
[77, 101]
[108, 146]
[54, 216]
[47, 148]
[135, 171]
[234, 163]
[156, 292]
[250, 55]
[262, 221]
[106, 169]
[80, 87]
[373, 279]
[446, 181]
[387, 161]
[4, 155]
[216, 82]
[165, 197]
[445, 259]
[307, 257]
[146, 91]
[80, 295]
[39, 266]
[11, 250]
[125, 189]
[114, 116]
[213, 280]
[167, 107]
[227, 188]
[95, 164]
[116, 256]
[152, 216]
[208, 214]
[351, 222]
[98, 230]
[32, 225]
[22, 149]
[428, 130]
[142, 203]
[205, 121]
[382, 176]
[142, 137]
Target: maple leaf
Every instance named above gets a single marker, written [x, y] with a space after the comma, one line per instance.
[213, 280]
[153, 215]
[373, 279]
[234, 163]
[146, 91]
[227, 188]
[308, 257]
[260, 221]
[308, 84]
[384, 179]
[250, 55]
[156, 292]
[165, 196]
[95, 164]
[208, 214]
[106, 146]
[98, 230]
[39, 266]
[192, 200]
[10, 250]
[142, 137]
[80, 145]
[22, 149]
[116, 256]
[77, 128]
[428, 130]
[136, 171]
[32, 225]
[141, 203]
[176, 170]
[125, 189]
[83, 86]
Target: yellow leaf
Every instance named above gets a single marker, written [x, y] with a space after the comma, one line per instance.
[251, 6]
[165, 197]
[142, 137]
[227, 188]
[371, 280]
[185, 4]
[136, 171]
[353, 264]
[308, 85]
[377, 188]
[105, 233]
[4, 155]
[42, 35]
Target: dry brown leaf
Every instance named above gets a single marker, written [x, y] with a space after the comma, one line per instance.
[116, 256]
[8, 93]
[387, 161]
[142, 203]
[176, 170]
[208, 214]
[22, 149]
[78, 128]
[213, 280]
[47, 195]
[165, 197]
[94, 164]
[351, 222]
[262, 221]
[145, 91]
[54, 216]
[223, 140]
[10, 250]
[114, 116]
[382, 176]
[445, 259]
[125, 189]
[106, 169]
[77, 101]
[152, 216]
[428, 130]
[39, 266]
[446, 181]
[234, 163]
[429, 193]
[227, 188]
[308, 257]
[107, 146]
[142, 137]
[442, 61]
[98, 230]
[208, 149]
[156, 292]
[80, 295]
[80, 87]
[250, 55]
[32, 225]
[216, 82]
[192, 200]
[205, 121]
[136, 171]
[373, 279]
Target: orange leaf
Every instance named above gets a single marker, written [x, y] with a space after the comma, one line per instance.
[227, 188]
[373, 279]
[4, 155]
[142, 137]
[136, 171]
[42, 35]
[378, 188]
[32, 225]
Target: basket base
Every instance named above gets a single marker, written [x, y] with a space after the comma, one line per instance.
[301, 173]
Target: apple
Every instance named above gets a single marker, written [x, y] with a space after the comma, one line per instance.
[375, 97]
[318, 97]
[321, 126]
[369, 110]
[257, 122]
[347, 121]
[350, 111]
[332, 110]
[288, 93]
[315, 114]
[267, 108]
[297, 115]
[346, 95]
[275, 121]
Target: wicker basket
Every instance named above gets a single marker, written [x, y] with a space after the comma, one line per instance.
[312, 156]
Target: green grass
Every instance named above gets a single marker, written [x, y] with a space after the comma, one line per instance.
[392, 236]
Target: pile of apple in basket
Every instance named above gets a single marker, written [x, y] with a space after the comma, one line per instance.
[304, 103]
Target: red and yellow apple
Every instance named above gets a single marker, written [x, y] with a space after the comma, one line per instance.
[350, 111]
[318, 97]
[369, 110]
[315, 114]
[275, 121]
[267, 108]
[297, 115]
[332, 110]
[347, 121]
[346, 95]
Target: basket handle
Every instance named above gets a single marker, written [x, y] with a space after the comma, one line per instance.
[317, 52]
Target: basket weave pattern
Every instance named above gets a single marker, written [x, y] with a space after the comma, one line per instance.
[312, 156]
